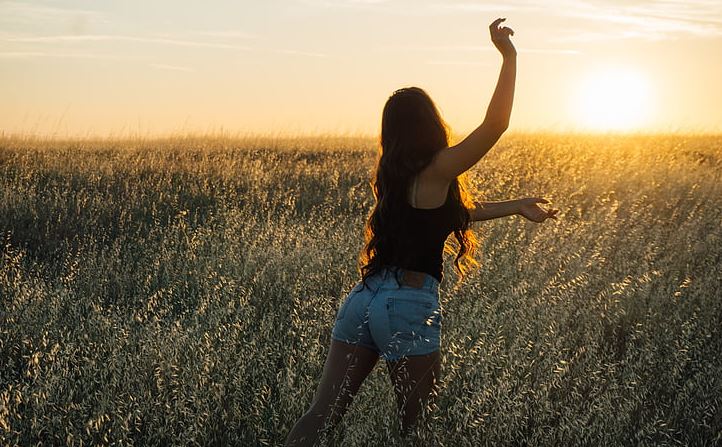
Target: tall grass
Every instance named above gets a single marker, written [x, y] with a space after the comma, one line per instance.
[182, 291]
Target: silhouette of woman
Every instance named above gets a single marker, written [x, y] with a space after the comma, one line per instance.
[393, 311]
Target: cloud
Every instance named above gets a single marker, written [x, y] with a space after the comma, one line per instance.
[549, 51]
[650, 20]
[647, 25]
[155, 40]
[344, 3]
[122, 38]
[416, 7]
[44, 54]
[457, 62]
[21, 54]
[405, 8]
[476, 6]
[228, 34]
[20, 14]
[477, 48]
[439, 47]
[622, 19]
[300, 52]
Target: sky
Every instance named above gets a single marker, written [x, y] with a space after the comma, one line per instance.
[158, 67]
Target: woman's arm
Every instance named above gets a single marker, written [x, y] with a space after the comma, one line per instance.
[525, 207]
[453, 161]
[494, 210]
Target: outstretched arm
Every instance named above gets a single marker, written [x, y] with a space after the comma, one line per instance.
[453, 161]
[525, 207]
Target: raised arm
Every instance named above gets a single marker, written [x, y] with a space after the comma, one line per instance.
[453, 161]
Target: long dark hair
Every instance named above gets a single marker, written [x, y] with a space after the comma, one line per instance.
[412, 132]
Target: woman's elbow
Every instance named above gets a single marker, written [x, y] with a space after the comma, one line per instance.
[502, 127]
[497, 127]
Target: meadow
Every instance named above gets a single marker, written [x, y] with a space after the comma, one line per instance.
[181, 291]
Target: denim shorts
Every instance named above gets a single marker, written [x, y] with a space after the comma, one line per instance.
[395, 320]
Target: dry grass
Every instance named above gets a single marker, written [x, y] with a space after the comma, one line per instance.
[183, 290]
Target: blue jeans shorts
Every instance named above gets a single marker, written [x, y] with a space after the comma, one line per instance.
[393, 319]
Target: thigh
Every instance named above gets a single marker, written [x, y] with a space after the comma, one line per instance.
[345, 369]
[416, 382]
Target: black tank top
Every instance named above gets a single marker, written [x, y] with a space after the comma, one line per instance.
[423, 241]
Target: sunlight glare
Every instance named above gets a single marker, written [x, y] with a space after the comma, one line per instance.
[615, 99]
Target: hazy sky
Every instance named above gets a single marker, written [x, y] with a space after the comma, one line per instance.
[73, 67]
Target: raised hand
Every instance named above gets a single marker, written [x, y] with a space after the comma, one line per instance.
[529, 209]
[500, 38]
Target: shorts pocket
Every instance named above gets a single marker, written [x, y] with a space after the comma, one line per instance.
[410, 316]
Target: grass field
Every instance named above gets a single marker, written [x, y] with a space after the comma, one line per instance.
[182, 291]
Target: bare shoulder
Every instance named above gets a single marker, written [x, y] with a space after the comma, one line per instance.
[453, 161]
[438, 170]
[432, 173]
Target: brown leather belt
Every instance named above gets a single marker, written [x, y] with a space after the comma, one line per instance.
[412, 278]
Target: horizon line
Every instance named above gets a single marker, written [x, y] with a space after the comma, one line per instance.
[311, 135]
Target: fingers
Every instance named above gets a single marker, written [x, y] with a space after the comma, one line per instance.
[547, 214]
[496, 23]
[504, 30]
[537, 213]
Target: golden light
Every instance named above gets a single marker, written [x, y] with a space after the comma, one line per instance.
[613, 99]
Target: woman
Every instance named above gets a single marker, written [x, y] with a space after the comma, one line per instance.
[393, 312]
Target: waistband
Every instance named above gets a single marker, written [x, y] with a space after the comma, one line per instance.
[388, 275]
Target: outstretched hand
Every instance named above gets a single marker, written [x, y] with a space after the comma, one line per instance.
[529, 209]
[500, 37]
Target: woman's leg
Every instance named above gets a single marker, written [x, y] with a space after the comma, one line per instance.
[346, 368]
[415, 380]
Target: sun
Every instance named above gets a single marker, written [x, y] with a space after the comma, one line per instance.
[613, 100]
